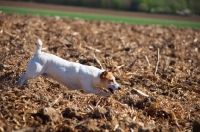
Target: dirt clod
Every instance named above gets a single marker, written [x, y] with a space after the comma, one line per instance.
[48, 114]
[99, 112]
[71, 112]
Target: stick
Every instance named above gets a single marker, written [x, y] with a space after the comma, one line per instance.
[98, 62]
[140, 92]
[70, 41]
[97, 50]
[118, 67]
[133, 63]
[99, 101]
[157, 63]
[92, 48]
[55, 101]
[147, 61]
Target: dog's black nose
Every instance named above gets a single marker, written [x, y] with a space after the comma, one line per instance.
[119, 88]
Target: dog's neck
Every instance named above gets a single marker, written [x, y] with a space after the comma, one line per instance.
[96, 80]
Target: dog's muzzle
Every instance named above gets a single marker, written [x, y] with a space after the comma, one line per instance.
[112, 90]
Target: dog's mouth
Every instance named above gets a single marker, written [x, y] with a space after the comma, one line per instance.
[111, 90]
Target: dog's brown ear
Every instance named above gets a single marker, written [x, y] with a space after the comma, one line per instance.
[103, 74]
[110, 70]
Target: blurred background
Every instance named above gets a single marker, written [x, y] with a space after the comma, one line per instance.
[180, 7]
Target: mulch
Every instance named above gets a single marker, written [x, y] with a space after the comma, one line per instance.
[162, 62]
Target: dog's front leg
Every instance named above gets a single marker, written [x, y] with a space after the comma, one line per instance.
[89, 89]
[96, 91]
[45, 76]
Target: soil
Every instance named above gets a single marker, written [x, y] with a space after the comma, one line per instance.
[162, 62]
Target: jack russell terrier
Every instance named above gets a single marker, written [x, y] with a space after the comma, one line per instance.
[72, 75]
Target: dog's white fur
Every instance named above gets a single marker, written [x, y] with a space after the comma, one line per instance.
[71, 74]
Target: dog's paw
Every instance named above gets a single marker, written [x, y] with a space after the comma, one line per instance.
[107, 94]
[22, 80]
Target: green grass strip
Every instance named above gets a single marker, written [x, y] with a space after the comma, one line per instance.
[99, 17]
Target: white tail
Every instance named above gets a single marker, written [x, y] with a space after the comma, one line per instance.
[39, 46]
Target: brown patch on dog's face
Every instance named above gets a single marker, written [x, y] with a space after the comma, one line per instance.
[106, 75]
[108, 81]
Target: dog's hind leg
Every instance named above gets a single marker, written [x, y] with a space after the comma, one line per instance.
[25, 77]
[33, 71]
[23, 80]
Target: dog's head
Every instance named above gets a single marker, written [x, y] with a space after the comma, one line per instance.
[108, 81]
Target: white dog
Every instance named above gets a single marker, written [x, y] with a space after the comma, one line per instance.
[71, 74]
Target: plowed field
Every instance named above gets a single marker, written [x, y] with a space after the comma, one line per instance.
[162, 62]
